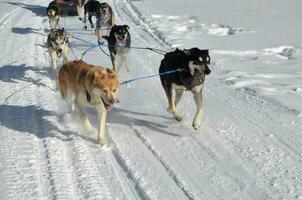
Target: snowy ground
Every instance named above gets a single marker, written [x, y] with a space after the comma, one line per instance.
[248, 147]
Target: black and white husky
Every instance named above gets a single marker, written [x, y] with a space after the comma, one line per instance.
[53, 15]
[57, 43]
[119, 42]
[192, 65]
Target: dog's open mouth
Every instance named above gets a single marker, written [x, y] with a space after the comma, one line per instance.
[197, 73]
[59, 54]
[107, 105]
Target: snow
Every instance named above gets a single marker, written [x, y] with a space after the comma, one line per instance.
[249, 145]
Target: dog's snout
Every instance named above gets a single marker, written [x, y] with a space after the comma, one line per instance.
[60, 50]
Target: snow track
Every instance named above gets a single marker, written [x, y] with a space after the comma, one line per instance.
[247, 147]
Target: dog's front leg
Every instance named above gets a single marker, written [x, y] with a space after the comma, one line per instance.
[90, 21]
[65, 54]
[171, 107]
[53, 56]
[84, 118]
[57, 22]
[112, 56]
[80, 10]
[199, 112]
[178, 96]
[102, 114]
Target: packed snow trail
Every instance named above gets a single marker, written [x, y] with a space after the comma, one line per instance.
[247, 147]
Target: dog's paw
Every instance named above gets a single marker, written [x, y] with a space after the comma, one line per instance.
[100, 42]
[100, 141]
[178, 118]
[196, 124]
[85, 28]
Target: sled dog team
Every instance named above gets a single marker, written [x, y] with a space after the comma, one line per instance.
[85, 85]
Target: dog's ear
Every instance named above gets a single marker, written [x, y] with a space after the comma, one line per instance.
[97, 74]
[187, 52]
[127, 27]
[111, 73]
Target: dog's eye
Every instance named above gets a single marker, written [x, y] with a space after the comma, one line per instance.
[114, 90]
[208, 59]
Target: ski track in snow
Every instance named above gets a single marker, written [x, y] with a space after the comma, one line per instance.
[234, 156]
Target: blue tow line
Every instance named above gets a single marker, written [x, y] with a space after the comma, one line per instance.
[145, 77]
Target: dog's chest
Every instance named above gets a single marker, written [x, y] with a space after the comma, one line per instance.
[189, 81]
[121, 49]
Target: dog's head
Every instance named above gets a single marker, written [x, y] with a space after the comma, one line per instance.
[105, 85]
[121, 33]
[104, 9]
[58, 40]
[198, 61]
[51, 12]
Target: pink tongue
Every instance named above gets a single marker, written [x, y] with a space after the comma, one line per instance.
[197, 72]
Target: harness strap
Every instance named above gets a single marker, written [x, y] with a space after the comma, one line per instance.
[88, 96]
[145, 77]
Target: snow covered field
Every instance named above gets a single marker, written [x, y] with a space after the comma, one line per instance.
[249, 145]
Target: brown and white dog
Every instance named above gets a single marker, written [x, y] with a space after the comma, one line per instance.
[53, 15]
[84, 85]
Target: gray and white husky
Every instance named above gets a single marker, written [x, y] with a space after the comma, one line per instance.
[57, 43]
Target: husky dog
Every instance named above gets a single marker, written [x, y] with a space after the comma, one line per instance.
[119, 42]
[57, 43]
[53, 15]
[84, 85]
[92, 7]
[105, 20]
[192, 65]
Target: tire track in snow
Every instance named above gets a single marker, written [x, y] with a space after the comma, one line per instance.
[23, 173]
[172, 173]
[126, 172]
[126, 10]
[5, 21]
[290, 144]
